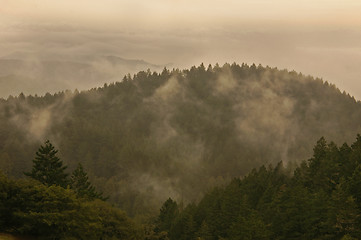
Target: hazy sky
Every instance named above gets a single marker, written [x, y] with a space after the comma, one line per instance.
[166, 13]
[319, 37]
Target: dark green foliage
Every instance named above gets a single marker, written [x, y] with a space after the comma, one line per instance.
[344, 212]
[167, 215]
[248, 227]
[52, 212]
[321, 200]
[184, 226]
[47, 167]
[81, 185]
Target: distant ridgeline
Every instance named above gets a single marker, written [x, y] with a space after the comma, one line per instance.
[180, 132]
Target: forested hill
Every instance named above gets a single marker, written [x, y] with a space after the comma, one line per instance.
[177, 133]
[320, 200]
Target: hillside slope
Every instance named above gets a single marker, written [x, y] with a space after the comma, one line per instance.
[177, 133]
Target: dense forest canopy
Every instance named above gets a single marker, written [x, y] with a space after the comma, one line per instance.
[49, 205]
[177, 133]
[30, 208]
[320, 200]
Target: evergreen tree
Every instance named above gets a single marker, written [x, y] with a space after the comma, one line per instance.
[168, 213]
[248, 228]
[47, 167]
[204, 232]
[80, 183]
[319, 153]
[343, 213]
[354, 185]
[33, 209]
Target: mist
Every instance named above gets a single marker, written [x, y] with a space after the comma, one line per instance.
[316, 38]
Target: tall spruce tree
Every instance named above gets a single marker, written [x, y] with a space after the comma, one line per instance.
[47, 167]
[80, 184]
[168, 213]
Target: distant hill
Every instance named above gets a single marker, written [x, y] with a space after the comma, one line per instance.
[40, 75]
[177, 133]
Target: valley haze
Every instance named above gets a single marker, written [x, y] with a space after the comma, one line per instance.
[320, 38]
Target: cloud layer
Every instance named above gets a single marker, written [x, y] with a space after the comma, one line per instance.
[320, 38]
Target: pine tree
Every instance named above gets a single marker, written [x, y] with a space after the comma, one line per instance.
[168, 213]
[79, 182]
[47, 167]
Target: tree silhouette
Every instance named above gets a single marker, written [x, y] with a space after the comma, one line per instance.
[47, 167]
[81, 185]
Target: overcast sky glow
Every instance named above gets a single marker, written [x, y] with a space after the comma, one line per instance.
[317, 37]
[186, 13]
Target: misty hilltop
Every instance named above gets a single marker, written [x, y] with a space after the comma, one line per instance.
[177, 133]
[24, 72]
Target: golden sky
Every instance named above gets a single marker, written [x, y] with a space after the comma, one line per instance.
[183, 13]
[317, 37]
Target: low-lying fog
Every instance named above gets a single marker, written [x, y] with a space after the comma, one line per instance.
[55, 45]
